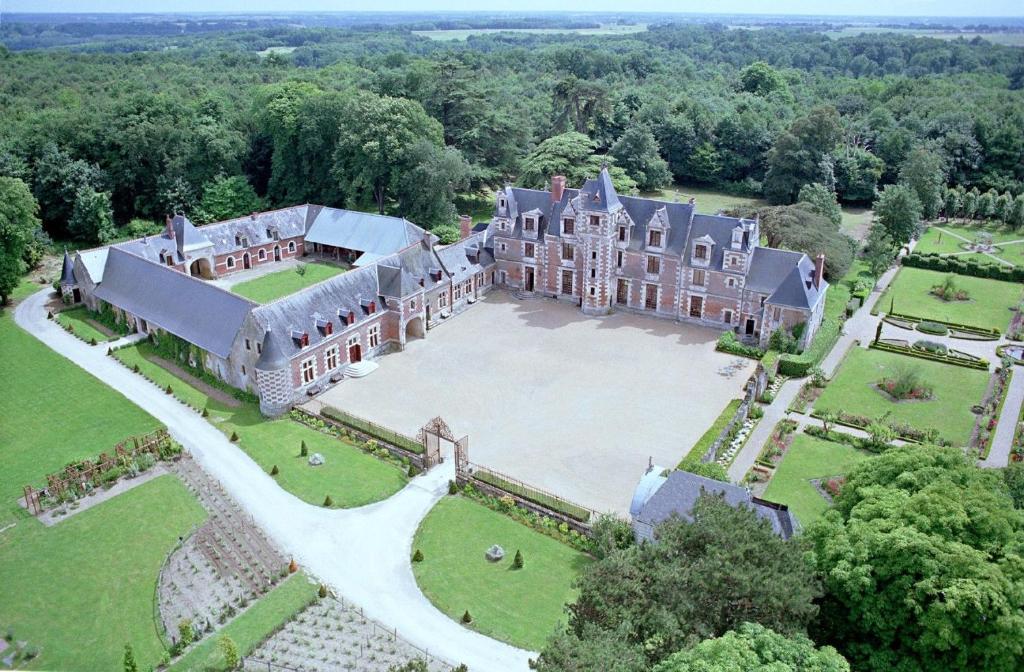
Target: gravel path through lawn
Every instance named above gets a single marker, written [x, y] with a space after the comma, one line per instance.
[362, 553]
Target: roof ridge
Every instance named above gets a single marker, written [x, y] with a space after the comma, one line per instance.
[243, 217]
[192, 278]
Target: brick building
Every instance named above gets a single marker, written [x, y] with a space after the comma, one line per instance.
[608, 252]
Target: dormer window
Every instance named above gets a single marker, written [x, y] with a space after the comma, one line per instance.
[700, 252]
[568, 226]
[273, 234]
[347, 316]
[436, 274]
[300, 337]
[369, 306]
[325, 326]
[622, 234]
[529, 224]
[654, 239]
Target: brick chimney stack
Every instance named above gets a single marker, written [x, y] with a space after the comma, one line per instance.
[819, 270]
[557, 188]
[465, 226]
[170, 227]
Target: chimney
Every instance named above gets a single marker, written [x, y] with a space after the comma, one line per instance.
[692, 201]
[465, 226]
[819, 270]
[557, 188]
[170, 227]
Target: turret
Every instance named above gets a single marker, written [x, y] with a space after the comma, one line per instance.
[274, 378]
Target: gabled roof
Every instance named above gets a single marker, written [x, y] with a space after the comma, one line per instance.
[362, 232]
[456, 257]
[786, 276]
[200, 313]
[677, 495]
[94, 262]
[187, 236]
[67, 273]
[286, 222]
[599, 194]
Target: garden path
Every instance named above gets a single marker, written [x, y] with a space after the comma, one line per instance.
[362, 553]
[1002, 440]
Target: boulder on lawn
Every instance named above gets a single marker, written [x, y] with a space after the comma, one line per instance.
[495, 553]
[316, 459]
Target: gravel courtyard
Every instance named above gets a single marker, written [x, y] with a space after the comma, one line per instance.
[569, 403]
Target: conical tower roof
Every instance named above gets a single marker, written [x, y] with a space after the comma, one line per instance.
[67, 274]
[272, 358]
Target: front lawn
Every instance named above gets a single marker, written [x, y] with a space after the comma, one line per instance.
[988, 305]
[809, 458]
[521, 606]
[349, 476]
[80, 323]
[53, 412]
[955, 389]
[81, 589]
[266, 288]
[253, 626]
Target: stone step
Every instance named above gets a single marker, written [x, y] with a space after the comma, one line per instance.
[360, 369]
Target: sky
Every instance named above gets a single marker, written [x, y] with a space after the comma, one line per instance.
[813, 7]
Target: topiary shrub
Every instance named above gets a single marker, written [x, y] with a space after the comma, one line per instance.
[274, 471]
[328, 502]
[93, 341]
[932, 328]
[206, 412]
[466, 618]
[453, 488]
[417, 556]
[169, 390]
[517, 562]
[303, 450]
[931, 346]
[323, 591]
[293, 566]
[413, 471]
[135, 368]
[234, 437]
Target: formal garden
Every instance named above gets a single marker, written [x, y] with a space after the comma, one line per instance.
[517, 602]
[348, 474]
[979, 242]
[940, 398]
[957, 299]
[267, 288]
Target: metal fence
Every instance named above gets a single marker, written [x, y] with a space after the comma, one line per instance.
[372, 429]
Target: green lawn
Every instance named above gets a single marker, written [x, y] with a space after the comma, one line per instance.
[53, 412]
[523, 607]
[253, 626]
[349, 476]
[942, 237]
[78, 319]
[955, 390]
[989, 304]
[81, 589]
[809, 458]
[266, 288]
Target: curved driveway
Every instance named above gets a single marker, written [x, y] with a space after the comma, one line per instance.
[362, 553]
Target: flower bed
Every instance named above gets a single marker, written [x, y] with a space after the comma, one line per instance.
[777, 444]
[367, 445]
[990, 410]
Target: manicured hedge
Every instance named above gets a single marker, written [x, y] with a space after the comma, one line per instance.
[935, 328]
[936, 262]
[955, 325]
[705, 441]
[728, 342]
[981, 364]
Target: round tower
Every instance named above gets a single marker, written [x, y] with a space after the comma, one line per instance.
[274, 378]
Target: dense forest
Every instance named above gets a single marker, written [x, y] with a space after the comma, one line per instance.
[112, 135]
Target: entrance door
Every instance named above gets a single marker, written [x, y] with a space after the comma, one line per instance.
[651, 297]
[750, 327]
[622, 292]
[566, 281]
[696, 306]
[246, 261]
[76, 294]
[528, 284]
[355, 353]
[277, 253]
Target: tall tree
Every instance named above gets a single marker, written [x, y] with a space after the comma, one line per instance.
[58, 179]
[899, 211]
[18, 222]
[857, 173]
[426, 191]
[801, 155]
[761, 79]
[699, 580]
[92, 219]
[636, 152]
[921, 557]
[755, 648]
[572, 155]
[924, 172]
[1016, 215]
[227, 198]
[952, 203]
[376, 146]
[798, 227]
[821, 200]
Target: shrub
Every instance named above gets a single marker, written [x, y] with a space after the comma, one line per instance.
[292, 565]
[930, 327]
[92, 341]
[782, 341]
[417, 556]
[328, 502]
[728, 342]
[453, 488]
[206, 412]
[229, 650]
[466, 618]
[413, 471]
[135, 368]
[323, 591]
[169, 389]
[932, 346]
[906, 383]
[756, 412]
[303, 450]
[186, 634]
[274, 471]
[31, 651]
[517, 562]
[234, 437]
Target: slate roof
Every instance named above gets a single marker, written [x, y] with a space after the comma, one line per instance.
[786, 276]
[67, 274]
[678, 494]
[362, 232]
[95, 261]
[187, 236]
[287, 222]
[599, 193]
[194, 310]
[271, 357]
[468, 257]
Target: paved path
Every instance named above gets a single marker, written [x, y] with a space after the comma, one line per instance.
[362, 553]
[773, 412]
[1002, 440]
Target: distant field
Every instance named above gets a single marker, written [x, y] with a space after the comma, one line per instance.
[1007, 39]
[462, 34]
[276, 50]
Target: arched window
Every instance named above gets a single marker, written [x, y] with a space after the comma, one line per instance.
[262, 255]
[291, 246]
[230, 262]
